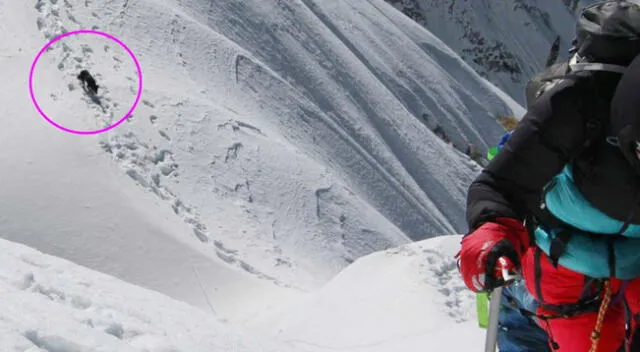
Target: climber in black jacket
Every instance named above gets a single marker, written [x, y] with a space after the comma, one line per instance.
[88, 82]
[560, 202]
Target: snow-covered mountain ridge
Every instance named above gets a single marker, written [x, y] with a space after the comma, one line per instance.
[507, 41]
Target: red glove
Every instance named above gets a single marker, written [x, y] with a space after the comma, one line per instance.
[504, 237]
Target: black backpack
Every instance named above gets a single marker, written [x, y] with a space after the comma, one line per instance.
[607, 39]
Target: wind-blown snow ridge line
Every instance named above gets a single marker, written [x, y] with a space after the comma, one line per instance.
[333, 126]
[434, 199]
[327, 23]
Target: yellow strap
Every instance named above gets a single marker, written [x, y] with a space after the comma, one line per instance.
[595, 335]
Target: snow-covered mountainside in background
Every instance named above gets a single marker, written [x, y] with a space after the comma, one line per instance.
[275, 143]
[407, 299]
[505, 41]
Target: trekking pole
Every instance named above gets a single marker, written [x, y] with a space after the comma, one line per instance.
[505, 267]
[492, 328]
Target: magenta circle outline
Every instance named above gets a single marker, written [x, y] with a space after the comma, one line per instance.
[86, 31]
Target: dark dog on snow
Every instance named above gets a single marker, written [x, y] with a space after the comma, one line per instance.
[88, 81]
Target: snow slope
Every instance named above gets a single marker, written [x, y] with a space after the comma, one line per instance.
[407, 299]
[54, 305]
[506, 41]
[410, 298]
[275, 143]
[62, 195]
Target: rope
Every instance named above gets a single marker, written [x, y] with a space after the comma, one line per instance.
[595, 335]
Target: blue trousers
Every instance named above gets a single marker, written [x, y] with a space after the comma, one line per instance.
[516, 331]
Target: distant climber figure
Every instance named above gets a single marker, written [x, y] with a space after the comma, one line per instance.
[88, 81]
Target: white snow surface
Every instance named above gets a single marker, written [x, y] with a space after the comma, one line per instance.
[276, 142]
[409, 298]
[405, 299]
[53, 305]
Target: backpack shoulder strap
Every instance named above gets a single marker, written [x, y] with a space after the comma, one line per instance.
[596, 66]
[596, 108]
[544, 80]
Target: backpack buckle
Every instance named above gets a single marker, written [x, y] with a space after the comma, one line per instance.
[559, 246]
